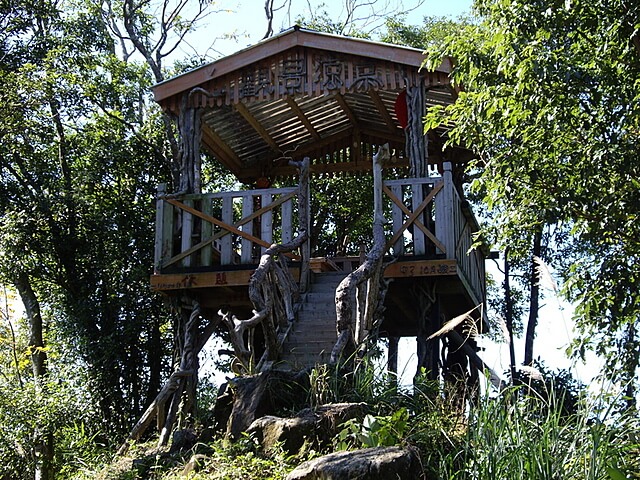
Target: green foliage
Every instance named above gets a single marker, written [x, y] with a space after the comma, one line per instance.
[549, 103]
[35, 414]
[373, 431]
[513, 436]
[81, 158]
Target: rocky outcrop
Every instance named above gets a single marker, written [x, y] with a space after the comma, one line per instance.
[380, 463]
[317, 427]
[263, 394]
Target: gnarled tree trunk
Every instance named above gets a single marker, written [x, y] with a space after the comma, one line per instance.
[355, 320]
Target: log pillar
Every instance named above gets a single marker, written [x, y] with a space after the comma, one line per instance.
[416, 142]
[190, 128]
[392, 359]
[428, 323]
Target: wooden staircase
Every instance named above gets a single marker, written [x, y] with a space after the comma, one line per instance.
[313, 335]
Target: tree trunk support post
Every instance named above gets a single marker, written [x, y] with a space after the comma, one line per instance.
[354, 320]
[416, 142]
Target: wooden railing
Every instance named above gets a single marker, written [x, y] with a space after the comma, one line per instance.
[228, 228]
[430, 220]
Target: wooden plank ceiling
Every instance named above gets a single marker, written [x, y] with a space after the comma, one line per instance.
[304, 93]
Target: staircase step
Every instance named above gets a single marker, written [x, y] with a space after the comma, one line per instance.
[312, 337]
[307, 359]
[328, 278]
[320, 297]
[326, 288]
[313, 348]
[313, 334]
[316, 316]
[319, 306]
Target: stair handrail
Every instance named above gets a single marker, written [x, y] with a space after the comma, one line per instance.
[272, 289]
[362, 287]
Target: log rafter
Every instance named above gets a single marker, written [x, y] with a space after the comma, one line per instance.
[303, 118]
[218, 146]
[382, 109]
[257, 126]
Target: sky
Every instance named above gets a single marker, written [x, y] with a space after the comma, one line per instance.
[245, 21]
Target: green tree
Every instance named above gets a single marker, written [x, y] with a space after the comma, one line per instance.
[549, 100]
[79, 162]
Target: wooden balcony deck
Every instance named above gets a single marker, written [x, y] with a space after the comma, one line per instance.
[215, 240]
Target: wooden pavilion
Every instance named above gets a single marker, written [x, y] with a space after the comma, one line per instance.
[304, 104]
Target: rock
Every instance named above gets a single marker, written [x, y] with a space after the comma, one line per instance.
[222, 408]
[194, 464]
[318, 427]
[380, 463]
[291, 433]
[264, 394]
[183, 440]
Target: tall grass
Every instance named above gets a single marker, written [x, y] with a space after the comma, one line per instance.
[522, 435]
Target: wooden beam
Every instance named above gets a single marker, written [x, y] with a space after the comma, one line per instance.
[257, 126]
[303, 118]
[222, 278]
[220, 149]
[415, 214]
[222, 233]
[346, 109]
[386, 116]
[422, 268]
[223, 225]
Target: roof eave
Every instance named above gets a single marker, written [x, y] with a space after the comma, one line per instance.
[295, 37]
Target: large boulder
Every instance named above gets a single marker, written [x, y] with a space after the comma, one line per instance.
[314, 426]
[380, 463]
[264, 394]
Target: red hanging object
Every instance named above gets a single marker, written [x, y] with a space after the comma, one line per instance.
[401, 109]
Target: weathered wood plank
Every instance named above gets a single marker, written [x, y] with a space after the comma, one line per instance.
[266, 220]
[226, 241]
[396, 215]
[422, 268]
[159, 246]
[287, 218]
[223, 225]
[402, 209]
[206, 231]
[246, 254]
[187, 230]
[225, 234]
[222, 278]
[416, 212]
[417, 195]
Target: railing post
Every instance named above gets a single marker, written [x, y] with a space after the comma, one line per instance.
[206, 230]
[417, 196]
[396, 215]
[246, 253]
[445, 218]
[226, 244]
[158, 256]
[187, 230]
[305, 223]
[267, 220]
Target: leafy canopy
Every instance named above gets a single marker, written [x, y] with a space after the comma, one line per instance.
[549, 100]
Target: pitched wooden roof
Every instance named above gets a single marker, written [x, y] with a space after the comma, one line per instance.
[303, 93]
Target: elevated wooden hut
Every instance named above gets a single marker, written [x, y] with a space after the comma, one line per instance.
[304, 104]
